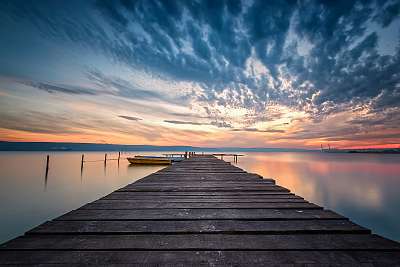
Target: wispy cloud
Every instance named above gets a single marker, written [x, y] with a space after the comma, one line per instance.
[130, 118]
[257, 130]
[185, 122]
[218, 124]
[53, 88]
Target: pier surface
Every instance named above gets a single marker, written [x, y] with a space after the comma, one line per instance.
[201, 211]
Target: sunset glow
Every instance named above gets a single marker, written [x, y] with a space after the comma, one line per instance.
[174, 73]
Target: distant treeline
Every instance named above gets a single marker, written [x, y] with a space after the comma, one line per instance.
[55, 146]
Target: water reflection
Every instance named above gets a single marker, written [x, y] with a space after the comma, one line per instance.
[364, 188]
[30, 195]
[361, 187]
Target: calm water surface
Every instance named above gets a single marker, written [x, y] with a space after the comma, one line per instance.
[28, 199]
[365, 188]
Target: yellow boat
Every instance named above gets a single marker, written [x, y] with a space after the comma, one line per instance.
[149, 160]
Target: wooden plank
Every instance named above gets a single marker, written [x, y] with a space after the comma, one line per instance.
[211, 172]
[285, 199]
[200, 214]
[209, 193]
[202, 258]
[189, 188]
[200, 226]
[197, 180]
[132, 204]
[225, 198]
[202, 241]
[202, 184]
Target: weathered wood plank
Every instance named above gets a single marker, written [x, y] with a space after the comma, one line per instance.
[202, 241]
[200, 226]
[203, 199]
[200, 214]
[132, 204]
[134, 187]
[202, 258]
[208, 193]
[202, 184]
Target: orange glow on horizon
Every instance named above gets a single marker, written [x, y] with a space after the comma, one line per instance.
[181, 137]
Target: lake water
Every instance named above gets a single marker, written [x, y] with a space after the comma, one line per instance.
[363, 187]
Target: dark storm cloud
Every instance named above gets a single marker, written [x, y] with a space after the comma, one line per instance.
[209, 42]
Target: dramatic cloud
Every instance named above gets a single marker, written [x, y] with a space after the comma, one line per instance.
[280, 67]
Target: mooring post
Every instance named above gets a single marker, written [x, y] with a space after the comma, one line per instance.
[119, 156]
[47, 172]
[83, 157]
[47, 165]
[47, 162]
[105, 158]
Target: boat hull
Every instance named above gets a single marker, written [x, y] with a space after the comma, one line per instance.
[149, 161]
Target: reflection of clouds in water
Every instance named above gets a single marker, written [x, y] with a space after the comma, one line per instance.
[287, 175]
[352, 193]
[341, 180]
[371, 196]
[363, 188]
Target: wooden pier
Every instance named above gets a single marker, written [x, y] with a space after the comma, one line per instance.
[201, 211]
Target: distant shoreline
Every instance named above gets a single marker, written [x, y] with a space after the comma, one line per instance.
[364, 151]
[58, 146]
[61, 147]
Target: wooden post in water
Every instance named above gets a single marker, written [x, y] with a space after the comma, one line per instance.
[105, 158]
[83, 157]
[47, 162]
[47, 166]
[119, 156]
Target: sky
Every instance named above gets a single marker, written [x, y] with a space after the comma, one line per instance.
[216, 73]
